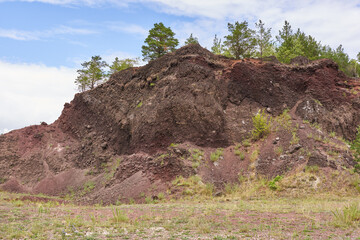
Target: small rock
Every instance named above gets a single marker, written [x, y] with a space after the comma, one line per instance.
[282, 157]
[302, 127]
[104, 145]
[277, 139]
[88, 127]
[218, 194]
[268, 110]
[301, 158]
[294, 148]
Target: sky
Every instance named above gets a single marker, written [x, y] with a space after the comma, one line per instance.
[44, 42]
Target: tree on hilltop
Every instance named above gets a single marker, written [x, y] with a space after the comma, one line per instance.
[241, 41]
[263, 40]
[119, 65]
[191, 40]
[91, 74]
[160, 41]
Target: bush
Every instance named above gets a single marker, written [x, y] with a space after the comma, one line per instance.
[273, 183]
[262, 125]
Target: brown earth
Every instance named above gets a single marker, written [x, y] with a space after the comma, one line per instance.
[112, 143]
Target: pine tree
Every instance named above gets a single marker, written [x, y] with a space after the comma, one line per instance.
[217, 47]
[191, 40]
[160, 41]
[263, 39]
[119, 65]
[91, 74]
[241, 41]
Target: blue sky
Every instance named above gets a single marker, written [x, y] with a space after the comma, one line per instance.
[43, 42]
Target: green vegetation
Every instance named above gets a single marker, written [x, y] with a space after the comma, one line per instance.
[240, 154]
[139, 105]
[88, 186]
[261, 125]
[312, 169]
[273, 183]
[91, 74]
[240, 42]
[279, 150]
[348, 216]
[191, 40]
[160, 41]
[119, 65]
[355, 146]
[119, 216]
[215, 156]
[197, 156]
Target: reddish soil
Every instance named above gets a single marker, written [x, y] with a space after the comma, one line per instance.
[108, 144]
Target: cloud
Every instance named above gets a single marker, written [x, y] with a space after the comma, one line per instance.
[91, 3]
[38, 35]
[31, 93]
[127, 27]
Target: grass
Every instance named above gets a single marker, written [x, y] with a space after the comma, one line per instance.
[240, 154]
[197, 156]
[348, 216]
[215, 156]
[227, 217]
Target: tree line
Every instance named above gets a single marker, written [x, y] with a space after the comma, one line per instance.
[241, 42]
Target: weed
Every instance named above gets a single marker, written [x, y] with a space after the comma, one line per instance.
[317, 102]
[312, 169]
[149, 200]
[246, 143]
[240, 154]
[294, 139]
[215, 156]
[332, 134]
[161, 196]
[284, 119]
[88, 186]
[197, 156]
[119, 216]
[355, 145]
[139, 105]
[261, 124]
[172, 145]
[279, 150]
[348, 216]
[2, 180]
[254, 155]
[273, 183]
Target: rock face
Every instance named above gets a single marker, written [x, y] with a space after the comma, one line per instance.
[119, 130]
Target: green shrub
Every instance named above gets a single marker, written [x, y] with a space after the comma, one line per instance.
[261, 124]
[273, 183]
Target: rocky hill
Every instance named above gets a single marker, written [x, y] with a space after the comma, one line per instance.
[188, 113]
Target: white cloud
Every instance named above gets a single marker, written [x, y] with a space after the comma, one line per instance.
[127, 27]
[31, 93]
[38, 35]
